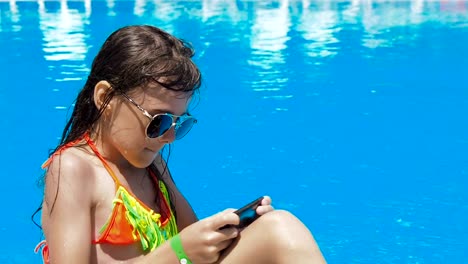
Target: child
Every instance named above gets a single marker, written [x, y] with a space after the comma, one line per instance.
[109, 196]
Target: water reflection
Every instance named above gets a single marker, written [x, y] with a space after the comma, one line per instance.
[139, 8]
[318, 26]
[15, 16]
[64, 39]
[110, 8]
[268, 43]
[216, 8]
[268, 26]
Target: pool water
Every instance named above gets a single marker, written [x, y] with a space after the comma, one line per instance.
[350, 114]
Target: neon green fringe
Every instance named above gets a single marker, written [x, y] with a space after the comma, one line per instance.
[147, 224]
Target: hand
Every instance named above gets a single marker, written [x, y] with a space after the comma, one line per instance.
[204, 240]
[265, 206]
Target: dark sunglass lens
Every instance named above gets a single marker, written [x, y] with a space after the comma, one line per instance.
[159, 126]
[184, 128]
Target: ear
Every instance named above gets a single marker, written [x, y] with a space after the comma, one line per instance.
[101, 90]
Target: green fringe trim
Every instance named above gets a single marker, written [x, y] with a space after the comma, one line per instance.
[147, 224]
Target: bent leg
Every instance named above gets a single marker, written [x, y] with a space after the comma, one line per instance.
[277, 237]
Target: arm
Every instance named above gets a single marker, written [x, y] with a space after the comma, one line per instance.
[67, 219]
[66, 210]
[203, 241]
[185, 214]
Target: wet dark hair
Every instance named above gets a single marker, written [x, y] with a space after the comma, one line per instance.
[131, 57]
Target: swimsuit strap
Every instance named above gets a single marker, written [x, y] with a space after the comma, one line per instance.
[59, 151]
[93, 147]
[104, 162]
[153, 176]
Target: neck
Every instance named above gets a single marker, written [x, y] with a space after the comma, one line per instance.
[112, 155]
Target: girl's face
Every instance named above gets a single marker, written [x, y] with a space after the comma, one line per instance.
[126, 131]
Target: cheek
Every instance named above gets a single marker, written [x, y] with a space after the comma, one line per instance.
[133, 148]
[128, 132]
[127, 124]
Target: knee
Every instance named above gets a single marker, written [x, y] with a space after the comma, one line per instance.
[284, 230]
[278, 219]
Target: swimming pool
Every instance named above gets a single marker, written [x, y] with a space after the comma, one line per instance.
[351, 114]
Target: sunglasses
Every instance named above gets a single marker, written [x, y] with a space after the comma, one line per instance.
[161, 123]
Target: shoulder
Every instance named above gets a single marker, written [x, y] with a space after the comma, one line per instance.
[70, 165]
[66, 209]
[68, 176]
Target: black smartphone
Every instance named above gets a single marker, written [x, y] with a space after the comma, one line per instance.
[248, 214]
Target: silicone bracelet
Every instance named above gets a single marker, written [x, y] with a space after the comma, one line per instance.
[176, 245]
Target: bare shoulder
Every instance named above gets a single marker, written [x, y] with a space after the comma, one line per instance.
[66, 210]
[70, 170]
[69, 178]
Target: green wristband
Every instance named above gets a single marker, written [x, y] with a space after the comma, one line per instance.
[176, 245]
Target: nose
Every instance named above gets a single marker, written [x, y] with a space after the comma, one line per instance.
[168, 137]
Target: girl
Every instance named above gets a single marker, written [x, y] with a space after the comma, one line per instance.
[109, 196]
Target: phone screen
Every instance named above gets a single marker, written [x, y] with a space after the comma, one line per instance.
[248, 214]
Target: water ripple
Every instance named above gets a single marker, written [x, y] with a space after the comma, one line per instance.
[65, 41]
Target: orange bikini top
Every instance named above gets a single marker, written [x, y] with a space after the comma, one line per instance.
[131, 220]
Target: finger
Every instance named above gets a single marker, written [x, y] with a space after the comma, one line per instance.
[223, 245]
[225, 211]
[266, 200]
[261, 210]
[229, 210]
[229, 232]
[221, 219]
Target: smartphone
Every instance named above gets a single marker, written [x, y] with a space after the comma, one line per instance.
[247, 214]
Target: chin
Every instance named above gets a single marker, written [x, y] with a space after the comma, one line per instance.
[144, 161]
[140, 165]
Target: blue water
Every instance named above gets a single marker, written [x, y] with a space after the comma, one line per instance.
[350, 114]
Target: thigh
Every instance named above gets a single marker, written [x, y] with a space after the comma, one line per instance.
[276, 237]
[249, 247]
